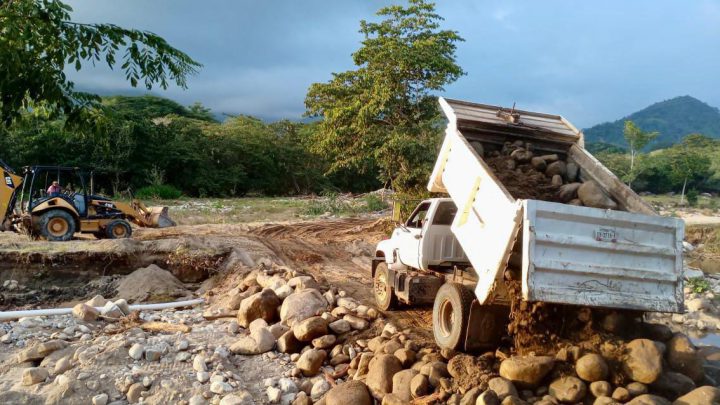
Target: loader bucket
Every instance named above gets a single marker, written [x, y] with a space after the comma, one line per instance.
[159, 217]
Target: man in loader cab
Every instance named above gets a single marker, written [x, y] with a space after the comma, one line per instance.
[54, 190]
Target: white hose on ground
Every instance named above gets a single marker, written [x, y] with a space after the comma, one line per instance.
[12, 315]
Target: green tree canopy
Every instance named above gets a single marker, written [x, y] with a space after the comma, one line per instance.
[687, 161]
[381, 116]
[38, 41]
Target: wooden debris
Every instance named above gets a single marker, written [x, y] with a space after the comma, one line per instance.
[164, 327]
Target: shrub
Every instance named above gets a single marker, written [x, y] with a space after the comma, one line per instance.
[698, 285]
[374, 203]
[158, 192]
[692, 197]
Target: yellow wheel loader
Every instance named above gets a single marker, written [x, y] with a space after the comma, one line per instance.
[55, 202]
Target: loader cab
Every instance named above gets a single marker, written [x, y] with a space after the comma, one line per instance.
[73, 196]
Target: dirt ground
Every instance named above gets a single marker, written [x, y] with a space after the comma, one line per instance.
[336, 250]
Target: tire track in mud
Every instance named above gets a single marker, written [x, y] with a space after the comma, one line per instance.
[342, 265]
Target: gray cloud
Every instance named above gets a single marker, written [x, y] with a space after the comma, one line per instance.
[588, 61]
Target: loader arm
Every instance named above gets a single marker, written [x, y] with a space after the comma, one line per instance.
[8, 194]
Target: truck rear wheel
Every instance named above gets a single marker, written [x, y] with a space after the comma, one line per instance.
[451, 313]
[382, 287]
[57, 225]
[118, 229]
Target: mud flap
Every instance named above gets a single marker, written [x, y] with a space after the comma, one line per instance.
[486, 326]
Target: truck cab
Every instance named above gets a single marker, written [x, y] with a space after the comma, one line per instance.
[424, 241]
[412, 265]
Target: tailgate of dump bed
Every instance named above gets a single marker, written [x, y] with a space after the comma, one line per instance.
[602, 258]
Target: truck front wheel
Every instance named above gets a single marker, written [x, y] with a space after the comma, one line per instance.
[451, 313]
[382, 287]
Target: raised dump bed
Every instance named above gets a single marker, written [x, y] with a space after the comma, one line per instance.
[627, 258]
[531, 206]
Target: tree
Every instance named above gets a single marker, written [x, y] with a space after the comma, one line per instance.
[687, 162]
[382, 116]
[637, 139]
[38, 41]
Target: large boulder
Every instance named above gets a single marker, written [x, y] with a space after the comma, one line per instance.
[260, 305]
[85, 312]
[683, 357]
[643, 361]
[706, 395]
[568, 389]
[380, 374]
[557, 167]
[526, 371]
[591, 367]
[592, 195]
[488, 397]
[40, 350]
[419, 386]
[672, 384]
[351, 392]
[568, 192]
[288, 343]
[301, 305]
[311, 361]
[401, 384]
[311, 328]
[572, 171]
[260, 340]
[236, 299]
[502, 387]
[34, 375]
[648, 399]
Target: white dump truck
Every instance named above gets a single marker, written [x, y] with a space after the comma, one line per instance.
[458, 252]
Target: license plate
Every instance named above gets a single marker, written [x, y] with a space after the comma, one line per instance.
[605, 234]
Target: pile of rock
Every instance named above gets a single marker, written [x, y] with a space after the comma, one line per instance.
[109, 310]
[641, 372]
[518, 161]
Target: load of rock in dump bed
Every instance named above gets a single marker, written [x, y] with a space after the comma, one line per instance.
[547, 177]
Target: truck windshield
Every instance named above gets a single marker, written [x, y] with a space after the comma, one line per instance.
[445, 213]
[418, 217]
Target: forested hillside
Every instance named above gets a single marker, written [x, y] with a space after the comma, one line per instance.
[156, 144]
[673, 119]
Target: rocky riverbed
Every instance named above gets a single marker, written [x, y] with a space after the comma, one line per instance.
[292, 340]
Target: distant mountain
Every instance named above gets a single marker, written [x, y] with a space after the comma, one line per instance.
[673, 119]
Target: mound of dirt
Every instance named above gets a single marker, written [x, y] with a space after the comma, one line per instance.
[151, 284]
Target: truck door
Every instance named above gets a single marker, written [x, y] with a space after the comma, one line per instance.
[410, 236]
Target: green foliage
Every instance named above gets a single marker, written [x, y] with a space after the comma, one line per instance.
[381, 118]
[636, 138]
[38, 42]
[134, 142]
[158, 192]
[691, 164]
[692, 197]
[333, 203]
[374, 203]
[698, 285]
[673, 119]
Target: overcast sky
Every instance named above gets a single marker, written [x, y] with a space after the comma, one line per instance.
[588, 61]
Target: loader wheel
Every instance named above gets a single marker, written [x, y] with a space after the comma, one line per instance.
[451, 313]
[118, 229]
[384, 294]
[57, 225]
